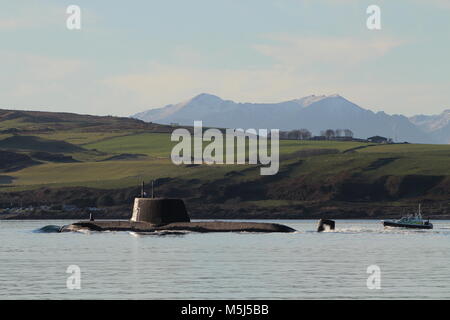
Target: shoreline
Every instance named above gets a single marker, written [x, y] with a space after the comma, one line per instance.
[84, 218]
[327, 210]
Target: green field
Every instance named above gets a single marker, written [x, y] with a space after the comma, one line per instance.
[406, 159]
[66, 150]
[155, 145]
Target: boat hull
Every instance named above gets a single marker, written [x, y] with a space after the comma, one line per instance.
[410, 226]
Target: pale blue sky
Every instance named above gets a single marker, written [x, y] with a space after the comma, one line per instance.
[130, 56]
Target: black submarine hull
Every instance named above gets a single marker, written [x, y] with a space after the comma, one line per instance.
[201, 227]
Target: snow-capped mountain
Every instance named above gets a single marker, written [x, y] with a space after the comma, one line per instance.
[315, 113]
[438, 126]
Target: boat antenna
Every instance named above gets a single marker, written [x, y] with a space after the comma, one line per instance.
[153, 191]
[142, 189]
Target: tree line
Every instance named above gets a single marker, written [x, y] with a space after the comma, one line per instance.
[305, 134]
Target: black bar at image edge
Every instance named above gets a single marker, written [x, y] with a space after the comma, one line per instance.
[227, 309]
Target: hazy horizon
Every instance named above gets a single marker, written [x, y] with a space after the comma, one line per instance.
[131, 58]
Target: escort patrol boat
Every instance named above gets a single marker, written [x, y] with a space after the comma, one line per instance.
[411, 221]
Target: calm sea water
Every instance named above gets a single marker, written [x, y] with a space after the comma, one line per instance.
[302, 265]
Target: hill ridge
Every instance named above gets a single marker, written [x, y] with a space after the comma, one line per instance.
[313, 112]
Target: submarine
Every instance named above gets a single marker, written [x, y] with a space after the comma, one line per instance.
[168, 215]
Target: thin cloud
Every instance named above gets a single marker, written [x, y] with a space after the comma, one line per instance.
[9, 24]
[41, 16]
[437, 3]
[27, 17]
[298, 51]
[27, 76]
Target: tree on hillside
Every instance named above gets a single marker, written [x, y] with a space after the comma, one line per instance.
[282, 135]
[348, 133]
[305, 134]
[297, 134]
[330, 134]
[294, 134]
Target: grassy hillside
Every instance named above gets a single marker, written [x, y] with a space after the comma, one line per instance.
[152, 144]
[32, 143]
[116, 154]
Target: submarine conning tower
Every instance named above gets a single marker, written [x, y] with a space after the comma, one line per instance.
[159, 210]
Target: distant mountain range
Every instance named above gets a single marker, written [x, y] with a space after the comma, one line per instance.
[315, 113]
[437, 126]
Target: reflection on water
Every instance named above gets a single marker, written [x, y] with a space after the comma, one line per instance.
[166, 265]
